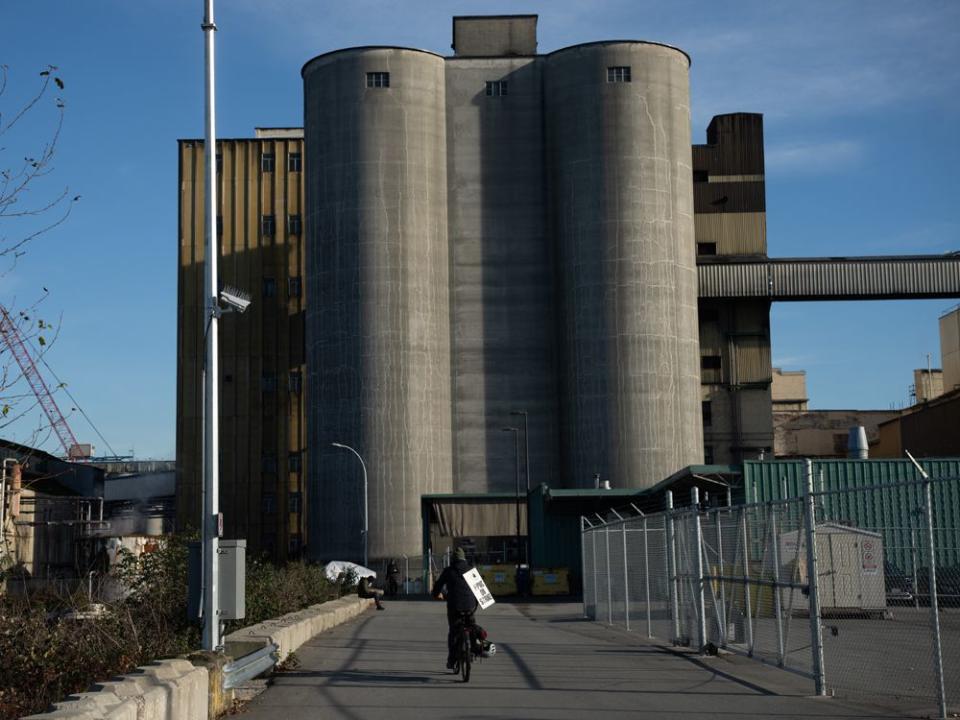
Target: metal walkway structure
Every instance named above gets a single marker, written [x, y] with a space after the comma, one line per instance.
[904, 277]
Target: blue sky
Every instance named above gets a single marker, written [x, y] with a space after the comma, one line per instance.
[861, 103]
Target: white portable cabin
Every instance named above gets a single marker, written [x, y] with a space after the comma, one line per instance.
[850, 567]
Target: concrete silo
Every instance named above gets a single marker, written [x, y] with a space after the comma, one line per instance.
[618, 138]
[377, 329]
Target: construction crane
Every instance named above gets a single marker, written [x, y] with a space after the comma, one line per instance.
[14, 340]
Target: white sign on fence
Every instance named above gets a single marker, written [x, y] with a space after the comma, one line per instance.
[479, 588]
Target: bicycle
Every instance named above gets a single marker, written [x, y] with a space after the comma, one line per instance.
[463, 647]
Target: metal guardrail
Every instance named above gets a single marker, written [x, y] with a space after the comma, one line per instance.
[249, 666]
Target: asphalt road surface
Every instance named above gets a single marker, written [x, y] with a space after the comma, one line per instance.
[550, 664]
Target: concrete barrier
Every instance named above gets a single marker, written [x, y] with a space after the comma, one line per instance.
[179, 690]
[165, 690]
[291, 631]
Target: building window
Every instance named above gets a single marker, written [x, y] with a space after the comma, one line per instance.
[267, 162]
[706, 248]
[268, 381]
[294, 225]
[294, 286]
[268, 225]
[293, 503]
[269, 287]
[710, 362]
[219, 225]
[708, 454]
[295, 382]
[701, 176]
[618, 74]
[294, 461]
[378, 80]
[219, 162]
[294, 545]
[496, 88]
[268, 462]
[294, 162]
[706, 410]
[708, 314]
[269, 502]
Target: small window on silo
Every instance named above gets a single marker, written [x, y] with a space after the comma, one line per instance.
[267, 162]
[268, 225]
[378, 79]
[294, 225]
[620, 74]
[294, 162]
[496, 88]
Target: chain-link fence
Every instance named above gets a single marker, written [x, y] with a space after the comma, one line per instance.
[797, 583]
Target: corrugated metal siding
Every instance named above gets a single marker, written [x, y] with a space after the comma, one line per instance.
[734, 280]
[735, 233]
[892, 512]
[752, 359]
[833, 278]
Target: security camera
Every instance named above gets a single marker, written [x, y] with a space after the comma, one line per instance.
[234, 299]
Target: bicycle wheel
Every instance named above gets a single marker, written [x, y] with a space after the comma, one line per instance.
[465, 655]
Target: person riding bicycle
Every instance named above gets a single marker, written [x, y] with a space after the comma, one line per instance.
[460, 599]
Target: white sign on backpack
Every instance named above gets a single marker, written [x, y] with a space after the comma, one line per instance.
[479, 588]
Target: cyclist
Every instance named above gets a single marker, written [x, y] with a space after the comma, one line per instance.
[460, 599]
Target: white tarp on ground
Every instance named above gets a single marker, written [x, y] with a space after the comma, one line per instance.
[335, 567]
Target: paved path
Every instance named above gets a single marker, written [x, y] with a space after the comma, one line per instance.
[550, 664]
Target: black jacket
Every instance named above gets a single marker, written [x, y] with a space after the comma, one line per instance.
[458, 594]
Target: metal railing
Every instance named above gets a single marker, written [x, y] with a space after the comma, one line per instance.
[245, 668]
[861, 611]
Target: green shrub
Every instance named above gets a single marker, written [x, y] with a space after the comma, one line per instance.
[46, 656]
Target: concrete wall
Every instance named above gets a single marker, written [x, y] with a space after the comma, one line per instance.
[622, 207]
[502, 289]
[378, 331]
[491, 36]
[788, 390]
[165, 690]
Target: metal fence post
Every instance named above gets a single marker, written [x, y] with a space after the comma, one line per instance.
[646, 577]
[746, 583]
[606, 536]
[672, 577]
[723, 583]
[698, 567]
[596, 597]
[778, 611]
[583, 563]
[816, 631]
[934, 602]
[626, 585]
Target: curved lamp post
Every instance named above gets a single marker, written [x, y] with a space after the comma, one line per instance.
[366, 505]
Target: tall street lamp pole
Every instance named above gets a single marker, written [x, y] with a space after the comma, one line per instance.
[366, 504]
[516, 446]
[211, 374]
[526, 446]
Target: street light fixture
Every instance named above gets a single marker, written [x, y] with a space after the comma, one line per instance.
[366, 504]
[516, 445]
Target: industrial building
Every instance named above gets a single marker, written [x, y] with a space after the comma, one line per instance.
[495, 240]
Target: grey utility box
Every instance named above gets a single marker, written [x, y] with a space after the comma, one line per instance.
[233, 580]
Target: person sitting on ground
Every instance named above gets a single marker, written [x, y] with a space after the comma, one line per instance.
[365, 589]
[460, 598]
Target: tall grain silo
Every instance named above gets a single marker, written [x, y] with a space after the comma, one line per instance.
[378, 328]
[618, 137]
